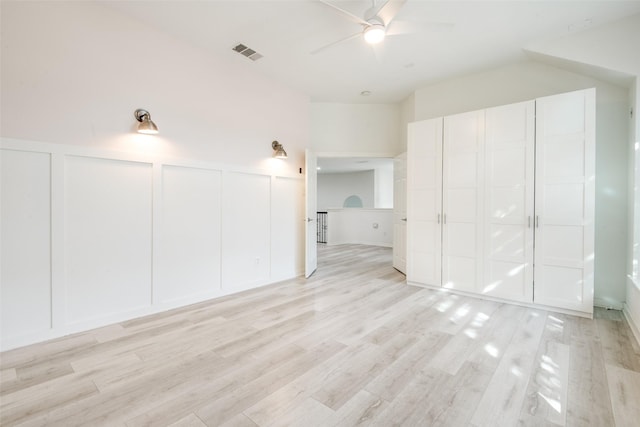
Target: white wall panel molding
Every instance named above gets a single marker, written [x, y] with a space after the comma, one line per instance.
[269, 167]
[108, 236]
[246, 230]
[125, 235]
[287, 210]
[188, 240]
[25, 295]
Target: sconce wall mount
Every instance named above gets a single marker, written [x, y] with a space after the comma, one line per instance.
[145, 126]
[278, 150]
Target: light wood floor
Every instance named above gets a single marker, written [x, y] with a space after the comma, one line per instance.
[353, 345]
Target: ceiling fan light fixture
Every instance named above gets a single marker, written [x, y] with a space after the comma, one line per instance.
[374, 33]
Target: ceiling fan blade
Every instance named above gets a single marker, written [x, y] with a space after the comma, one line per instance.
[346, 13]
[352, 36]
[389, 10]
[406, 27]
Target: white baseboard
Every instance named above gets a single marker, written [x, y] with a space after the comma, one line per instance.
[607, 303]
[635, 327]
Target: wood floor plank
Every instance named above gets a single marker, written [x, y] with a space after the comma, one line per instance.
[213, 386]
[616, 344]
[458, 398]
[624, 386]
[352, 345]
[360, 410]
[408, 408]
[546, 396]
[308, 413]
[504, 395]
[586, 405]
[190, 420]
[343, 383]
[223, 409]
[402, 371]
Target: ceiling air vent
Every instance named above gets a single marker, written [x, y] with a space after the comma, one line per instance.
[249, 53]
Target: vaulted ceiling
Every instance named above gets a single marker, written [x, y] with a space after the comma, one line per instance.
[439, 39]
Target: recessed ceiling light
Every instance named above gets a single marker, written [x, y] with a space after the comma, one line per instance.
[365, 93]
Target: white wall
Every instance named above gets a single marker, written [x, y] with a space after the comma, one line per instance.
[384, 188]
[334, 188]
[632, 304]
[360, 226]
[360, 130]
[529, 80]
[101, 224]
[80, 70]
[407, 115]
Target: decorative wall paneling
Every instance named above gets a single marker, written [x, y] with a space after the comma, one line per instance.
[92, 237]
[488, 188]
[25, 242]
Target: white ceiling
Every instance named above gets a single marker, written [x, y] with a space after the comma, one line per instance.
[482, 35]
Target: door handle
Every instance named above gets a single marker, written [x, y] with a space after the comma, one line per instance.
[309, 219]
[403, 219]
[444, 218]
[529, 221]
[438, 218]
[537, 221]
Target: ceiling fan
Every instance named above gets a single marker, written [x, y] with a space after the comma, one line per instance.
[377, 22]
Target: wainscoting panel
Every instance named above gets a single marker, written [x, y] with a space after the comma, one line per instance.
[287, 211]
[189, 240]
[246, 230]
[108, 216]
[93, 237]
[25, 294]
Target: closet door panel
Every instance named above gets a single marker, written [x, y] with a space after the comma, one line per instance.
[508, 204]
[461, 241]
[512, 279]
[463, 178]
[564, 156]
[564, 203]
[507, 243]
[565, 175]
[424, 202]
[460, 273]
[561, 283]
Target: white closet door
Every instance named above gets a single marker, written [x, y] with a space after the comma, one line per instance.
[424, 202]
[565, 179]
[509, 195]
[463, 184]
[400, 213]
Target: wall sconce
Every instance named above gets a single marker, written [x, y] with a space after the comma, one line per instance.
[278, 150]
[146, 126]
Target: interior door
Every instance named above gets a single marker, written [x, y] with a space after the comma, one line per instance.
[310, 208]
[400, 213]
[565, 180]
[463, 197]
[509, 181]
[424, 202]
